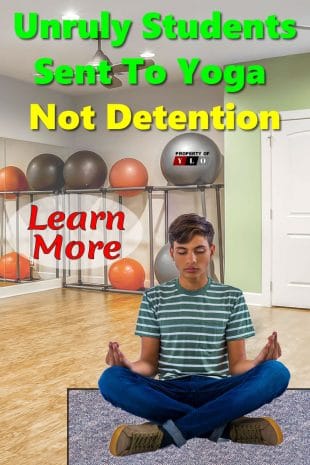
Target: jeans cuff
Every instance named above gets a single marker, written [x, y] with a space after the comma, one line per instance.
[174, 432]
[217, 433]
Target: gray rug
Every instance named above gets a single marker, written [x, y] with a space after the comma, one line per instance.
[91, 421]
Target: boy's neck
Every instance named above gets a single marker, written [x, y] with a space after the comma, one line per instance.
[193, 284]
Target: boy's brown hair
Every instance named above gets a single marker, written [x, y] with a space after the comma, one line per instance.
[186, 226]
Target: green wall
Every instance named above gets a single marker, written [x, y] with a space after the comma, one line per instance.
[287, 88]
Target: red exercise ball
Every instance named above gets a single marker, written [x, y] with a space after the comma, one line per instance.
[127, 274]
[8, 266]
[12, 179]
[128, 172]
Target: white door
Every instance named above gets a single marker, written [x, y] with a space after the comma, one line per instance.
[290, 180]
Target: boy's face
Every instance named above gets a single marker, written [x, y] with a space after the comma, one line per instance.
[192, 259]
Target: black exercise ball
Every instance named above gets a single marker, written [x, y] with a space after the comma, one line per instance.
[45, 172]
[85, 170]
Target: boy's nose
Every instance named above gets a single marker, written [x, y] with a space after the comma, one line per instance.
[192, 258]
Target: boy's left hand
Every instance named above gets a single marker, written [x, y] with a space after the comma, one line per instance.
[271, 351]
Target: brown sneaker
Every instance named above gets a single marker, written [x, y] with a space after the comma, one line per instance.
[263, 430]
[134, 439]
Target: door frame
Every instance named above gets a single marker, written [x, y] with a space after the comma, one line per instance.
[266, 189]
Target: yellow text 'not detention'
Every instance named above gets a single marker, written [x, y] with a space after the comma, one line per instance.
[119, 116]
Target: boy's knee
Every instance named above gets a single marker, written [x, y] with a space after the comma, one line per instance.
[109, 380]
[279, 373]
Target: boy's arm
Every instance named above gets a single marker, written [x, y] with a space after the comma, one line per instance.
[238, 362]
[146, 365]
[148, 362]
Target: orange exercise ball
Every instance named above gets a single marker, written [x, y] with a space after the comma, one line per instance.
[128, 172]
[127, 274]
[12, 179]
[8, 266]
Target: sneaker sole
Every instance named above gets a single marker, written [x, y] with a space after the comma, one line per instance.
[114, 440]
[276, 428]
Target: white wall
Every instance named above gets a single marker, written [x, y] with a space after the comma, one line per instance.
[16, 97]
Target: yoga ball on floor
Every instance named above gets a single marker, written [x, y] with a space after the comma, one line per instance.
[84, 170]
[8, 266]
[128, 172]
[45, 172]
[127, 273]
[191, 159]
[12, 179]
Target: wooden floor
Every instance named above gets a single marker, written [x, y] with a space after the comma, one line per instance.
[54, 340]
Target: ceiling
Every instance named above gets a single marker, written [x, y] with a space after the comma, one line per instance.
[17, 56]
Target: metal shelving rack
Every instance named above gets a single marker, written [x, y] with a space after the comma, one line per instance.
[63, 201]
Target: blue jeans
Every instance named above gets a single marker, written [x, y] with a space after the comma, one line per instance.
[194, 406]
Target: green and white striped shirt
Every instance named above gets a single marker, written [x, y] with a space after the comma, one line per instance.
[193, 327]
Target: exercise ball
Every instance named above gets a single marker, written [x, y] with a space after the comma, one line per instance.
[44, 172]
[8, 266]
[12, 179]
[127, 274]
[189, 145]
[212, 273]
[128, 172]
[164, 266]
[84, 170]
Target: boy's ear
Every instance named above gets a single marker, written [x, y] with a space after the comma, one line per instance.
[171, 253]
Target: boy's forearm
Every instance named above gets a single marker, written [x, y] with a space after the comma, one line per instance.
[242, 366]
[143, 368]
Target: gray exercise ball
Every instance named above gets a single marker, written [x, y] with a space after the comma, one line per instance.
[211, 272]
[164, 266]
[191, 145]
[85, 170]
[165, 269]
[45, 172]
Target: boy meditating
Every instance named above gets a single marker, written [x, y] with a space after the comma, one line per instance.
[193, 333]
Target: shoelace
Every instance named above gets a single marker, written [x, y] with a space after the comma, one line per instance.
[248, 432]
[145, 442]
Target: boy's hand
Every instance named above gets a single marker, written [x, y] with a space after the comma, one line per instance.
[271, 351]
[116, 357]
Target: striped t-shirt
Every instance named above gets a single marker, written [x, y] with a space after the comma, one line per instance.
[193, 327]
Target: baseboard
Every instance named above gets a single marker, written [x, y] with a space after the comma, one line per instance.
[46, 274]
[252, 298]
[96, 280]
[86, 279]
[256, 299]
[29, 288]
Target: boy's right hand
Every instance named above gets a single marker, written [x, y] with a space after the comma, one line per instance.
[116, 357]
